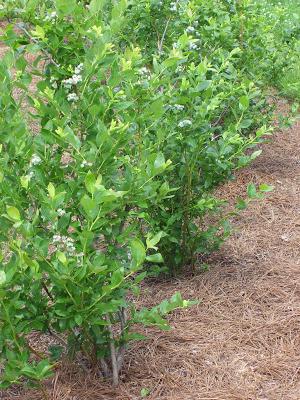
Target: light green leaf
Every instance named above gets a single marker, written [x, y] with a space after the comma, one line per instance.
[155, 258]
[251, 191]
[24, 181]
[13, 213]
[145, 392]
[38, 32]
[117, 278]
[152, 241]
[51, 190]
[2, 277]
[65, 7]
[62, 257]
[266, 188]
[90, 206]
[244, 103]
[96, 6]
[138, 253]
[90, 181]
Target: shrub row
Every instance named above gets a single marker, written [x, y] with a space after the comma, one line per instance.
[126, 118]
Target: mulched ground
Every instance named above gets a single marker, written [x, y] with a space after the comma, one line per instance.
[242, 342]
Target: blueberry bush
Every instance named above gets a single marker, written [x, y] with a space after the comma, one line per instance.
[118, 121]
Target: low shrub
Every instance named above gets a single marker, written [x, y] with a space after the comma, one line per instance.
[126, 118]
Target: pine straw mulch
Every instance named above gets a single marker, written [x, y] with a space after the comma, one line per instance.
[242, 341]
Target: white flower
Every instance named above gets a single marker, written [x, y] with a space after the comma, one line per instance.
[73, 81]
[193, 46]
[178, 107]
[76, 79]
[173, 6]
[31, 174]
[190, 29]
[72, 97]
[78, 69]
[61, 212]
[184, 123]
[85, 164]
[56, 238]
[144, 71]
[51, 17]
[35, 159]
[68, 83]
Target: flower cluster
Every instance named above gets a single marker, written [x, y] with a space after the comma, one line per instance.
[190, 29]
[176, 107]
[72, 97]
[35, 160]
[144, 72]
[85, 164]
[173, 6]
[61, 212]
[193, 46]
[51, 17]
[64, 243]
[75, 78]
[185, 123]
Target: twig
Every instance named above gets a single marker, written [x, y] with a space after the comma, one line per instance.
[47, 291]
[122, 349]
[114, 362]
[47, 54]
[105, 370]
[160, 44]
[35, 352]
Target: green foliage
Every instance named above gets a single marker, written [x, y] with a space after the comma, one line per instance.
[108, 163]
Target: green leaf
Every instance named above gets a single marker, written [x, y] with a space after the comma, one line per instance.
[90, 182]
[65, 7]
[138, 253]
[116, 279]
[244, 103]
[62, 257]
[96, 6]
[155, 258]
[38, 32]
[24, 181]
[78, 319]
[152, 241]
[145, 392]
[13, 213]
[2, 277]
[251, 191]
[266, 188]
[241, 204]
[51, 190]
[90, 206]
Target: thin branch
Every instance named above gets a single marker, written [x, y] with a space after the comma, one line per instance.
[113, 355]
[32, 39]
[105, 370]
[160, 44]
[47, 291]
